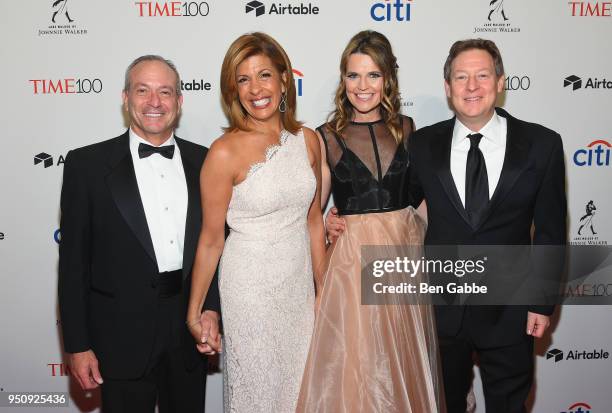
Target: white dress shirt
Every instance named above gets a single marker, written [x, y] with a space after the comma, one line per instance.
[163, 191]
[492, 145]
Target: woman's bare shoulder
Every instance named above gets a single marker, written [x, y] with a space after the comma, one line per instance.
[226, 146]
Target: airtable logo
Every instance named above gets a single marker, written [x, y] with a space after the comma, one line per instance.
[44, 158]
[573, 81]
[47, 160]
[554, 353]
[577, 355]
[195, 85]
[591, 83]
[259, 8]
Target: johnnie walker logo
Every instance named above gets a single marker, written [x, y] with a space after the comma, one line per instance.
[586, 233]
[497, 19]
[62, 20]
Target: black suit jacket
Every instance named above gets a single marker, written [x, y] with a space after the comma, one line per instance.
[531, 190]
[107, 266]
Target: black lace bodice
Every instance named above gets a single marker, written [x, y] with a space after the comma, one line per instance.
[369, 170]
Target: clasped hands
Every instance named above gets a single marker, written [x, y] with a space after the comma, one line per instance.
[205, 332]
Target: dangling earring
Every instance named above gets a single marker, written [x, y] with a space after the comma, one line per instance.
[282, 106]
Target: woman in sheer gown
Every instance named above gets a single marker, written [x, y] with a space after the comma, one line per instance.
[369, 358]
[263, 177]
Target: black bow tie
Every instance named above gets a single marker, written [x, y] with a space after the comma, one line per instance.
[145, 150]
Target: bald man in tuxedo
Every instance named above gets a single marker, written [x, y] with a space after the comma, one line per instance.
[130, 221]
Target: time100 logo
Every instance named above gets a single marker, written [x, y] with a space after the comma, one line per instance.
[517, 83]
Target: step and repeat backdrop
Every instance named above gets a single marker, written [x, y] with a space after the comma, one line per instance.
[63, 64]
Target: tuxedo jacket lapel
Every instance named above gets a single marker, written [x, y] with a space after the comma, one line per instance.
[124, 189]
[192, 175]
[515, 162]
[440, 147]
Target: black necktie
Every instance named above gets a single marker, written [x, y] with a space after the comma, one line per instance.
[476, 181]
[145, 150]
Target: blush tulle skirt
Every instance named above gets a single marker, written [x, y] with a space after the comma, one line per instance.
[371, 358]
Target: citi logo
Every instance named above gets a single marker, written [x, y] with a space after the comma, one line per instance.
[195, 85]
[46, 160]
[172, 9]
[396, 10]
[597, 153]
[580, 407]
[259, 8]
[591, 83]
[59, 369]
[1, 236]
[66, 86]
[554, 353]
[591, 9]
[298, 79]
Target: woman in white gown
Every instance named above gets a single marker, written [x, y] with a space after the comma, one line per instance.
[263, 177]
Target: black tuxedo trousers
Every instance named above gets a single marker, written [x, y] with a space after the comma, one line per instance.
[108, 292]
[530, 194]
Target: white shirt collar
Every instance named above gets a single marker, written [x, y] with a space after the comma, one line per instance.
[491, 131]
[135, 140]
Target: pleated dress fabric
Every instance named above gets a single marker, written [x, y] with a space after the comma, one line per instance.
[370, 358]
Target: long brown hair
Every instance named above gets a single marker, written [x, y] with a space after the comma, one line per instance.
[377, 46]
[248, 45]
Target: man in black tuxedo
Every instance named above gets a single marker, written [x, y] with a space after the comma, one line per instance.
[130, 220]
[487, 178]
